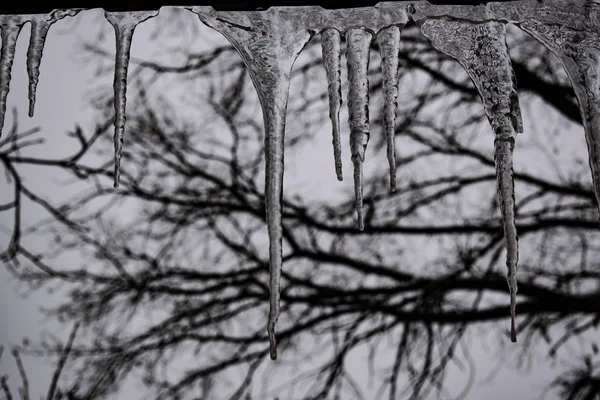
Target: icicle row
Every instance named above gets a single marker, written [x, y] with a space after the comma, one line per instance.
[124, 24]
[330, 44]
[358, 42]
[481, 50]
[10, 26]
[388, 41]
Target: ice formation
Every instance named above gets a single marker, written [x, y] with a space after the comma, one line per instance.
[269, 42]
[11, 26]
[40, 25]
[388, 41]
[124, 24]
[481, 50]
[358, 43]
[330, 43]
[579, 52]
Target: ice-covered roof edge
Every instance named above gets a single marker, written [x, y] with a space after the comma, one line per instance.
[137, 5]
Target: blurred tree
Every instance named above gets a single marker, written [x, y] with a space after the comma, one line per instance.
[169, 274]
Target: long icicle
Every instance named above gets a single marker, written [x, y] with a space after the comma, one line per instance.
[388, 41]
[330, 44]
[269, 43]
[482, 51]
[10, 26]
[504, 145]
[124, 24]
[40, 25]
[358, 43]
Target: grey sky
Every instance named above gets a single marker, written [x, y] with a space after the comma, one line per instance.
[60, 106]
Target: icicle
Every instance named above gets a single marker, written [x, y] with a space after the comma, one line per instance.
[269, 42]
[11, 27]
[124, 24]
[40, 25]
[358, 42]
[330, 44]
[481, 50]
[388, 41]
[504, 145]
[579, 52]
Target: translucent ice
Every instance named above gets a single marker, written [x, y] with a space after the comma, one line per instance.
[124, 24]
[579, 52]
[330, 43]
[40, 25]
[481, 49]
[11, 27]
[388, 40]
[269, 42]
[504, 145]
[358, 42]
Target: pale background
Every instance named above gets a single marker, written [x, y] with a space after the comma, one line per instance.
[60, 106]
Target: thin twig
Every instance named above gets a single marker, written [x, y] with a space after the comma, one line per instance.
[5, 388]
[61, 362]
[25, 389]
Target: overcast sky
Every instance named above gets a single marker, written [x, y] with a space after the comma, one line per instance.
[60, 105]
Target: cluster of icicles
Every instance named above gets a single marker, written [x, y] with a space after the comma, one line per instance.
[269, 42]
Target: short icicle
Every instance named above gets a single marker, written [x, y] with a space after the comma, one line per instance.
[10, 26]
[388, 41]
[124, 24]
[330, 44]
[358, 42]
[269, 42]
[40, 25]
[481, 50]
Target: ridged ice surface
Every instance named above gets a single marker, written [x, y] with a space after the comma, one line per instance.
[10, 26]
[571, 30]
[503, 157]
[269, 42]
[358, 43]
[388, 40]
[481, 50]
[579, 52]
[124, 24]
[330, 44]
[40, 25]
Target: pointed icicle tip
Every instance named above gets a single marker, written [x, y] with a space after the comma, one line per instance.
[358, 43]
[272, 342]
[330, 45]
[503, 157]
[40, 25]
[513, 331]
